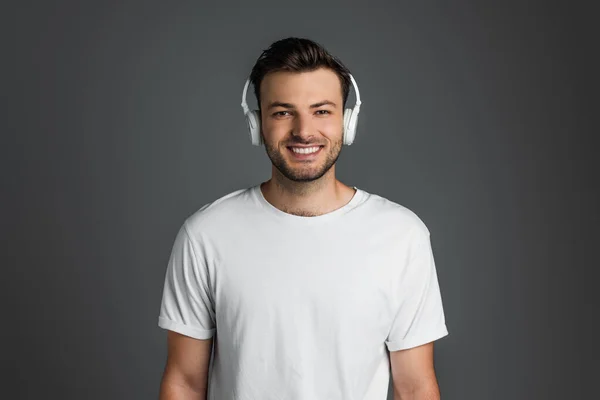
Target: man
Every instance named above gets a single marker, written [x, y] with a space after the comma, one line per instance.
[305, 288]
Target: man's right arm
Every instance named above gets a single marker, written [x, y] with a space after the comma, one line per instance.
[185, 375]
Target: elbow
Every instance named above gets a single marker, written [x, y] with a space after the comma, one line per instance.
[429, 391]
[176, 386]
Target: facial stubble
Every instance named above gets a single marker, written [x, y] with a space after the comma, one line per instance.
[303, 171]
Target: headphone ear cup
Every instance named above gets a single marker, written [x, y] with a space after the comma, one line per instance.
[253, 119]
[350, 119]
[347, 115]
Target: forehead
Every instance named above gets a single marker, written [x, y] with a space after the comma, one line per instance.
[301, 87]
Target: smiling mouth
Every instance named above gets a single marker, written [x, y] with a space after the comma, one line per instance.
[305, 149]
[303, 153]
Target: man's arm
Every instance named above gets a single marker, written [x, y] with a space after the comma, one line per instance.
[413, 374]
[186, 372]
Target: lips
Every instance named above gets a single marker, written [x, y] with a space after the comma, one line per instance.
[305, 156]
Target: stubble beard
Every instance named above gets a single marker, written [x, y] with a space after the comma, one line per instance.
[304, 172]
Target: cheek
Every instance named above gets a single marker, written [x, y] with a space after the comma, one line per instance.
[330, 126]
[275, 132]
[269, 127]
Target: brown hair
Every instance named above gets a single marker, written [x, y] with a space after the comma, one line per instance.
[297, 55]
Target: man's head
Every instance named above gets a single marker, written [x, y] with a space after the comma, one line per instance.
[301, 92]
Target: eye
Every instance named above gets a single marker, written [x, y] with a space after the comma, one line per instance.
[324, 112]
[280, 113]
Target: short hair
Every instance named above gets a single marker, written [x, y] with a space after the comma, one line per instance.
[297, 55]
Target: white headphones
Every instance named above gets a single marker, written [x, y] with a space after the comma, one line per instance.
[350, 118]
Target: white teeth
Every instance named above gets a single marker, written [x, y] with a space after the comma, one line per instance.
[305, 151]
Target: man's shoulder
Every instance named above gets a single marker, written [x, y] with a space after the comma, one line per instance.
[218, 212]
[391, 212]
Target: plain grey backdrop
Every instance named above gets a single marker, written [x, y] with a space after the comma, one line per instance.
[121, 118]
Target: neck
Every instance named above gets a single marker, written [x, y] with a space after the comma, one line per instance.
[308, 199]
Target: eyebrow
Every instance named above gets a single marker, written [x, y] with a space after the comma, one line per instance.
[288, 105]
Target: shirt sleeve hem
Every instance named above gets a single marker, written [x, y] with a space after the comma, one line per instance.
[411, 342]
[186, 330]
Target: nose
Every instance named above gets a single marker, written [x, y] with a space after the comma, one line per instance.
[303, 128]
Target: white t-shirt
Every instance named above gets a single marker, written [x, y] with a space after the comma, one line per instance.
[302, 308]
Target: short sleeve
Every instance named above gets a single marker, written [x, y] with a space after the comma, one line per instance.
[419, 317]
[187, 305]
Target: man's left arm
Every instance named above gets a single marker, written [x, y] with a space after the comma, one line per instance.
[413, 374]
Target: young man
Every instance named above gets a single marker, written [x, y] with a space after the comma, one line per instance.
[305, 288]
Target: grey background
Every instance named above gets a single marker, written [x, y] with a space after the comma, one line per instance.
[120, 119]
